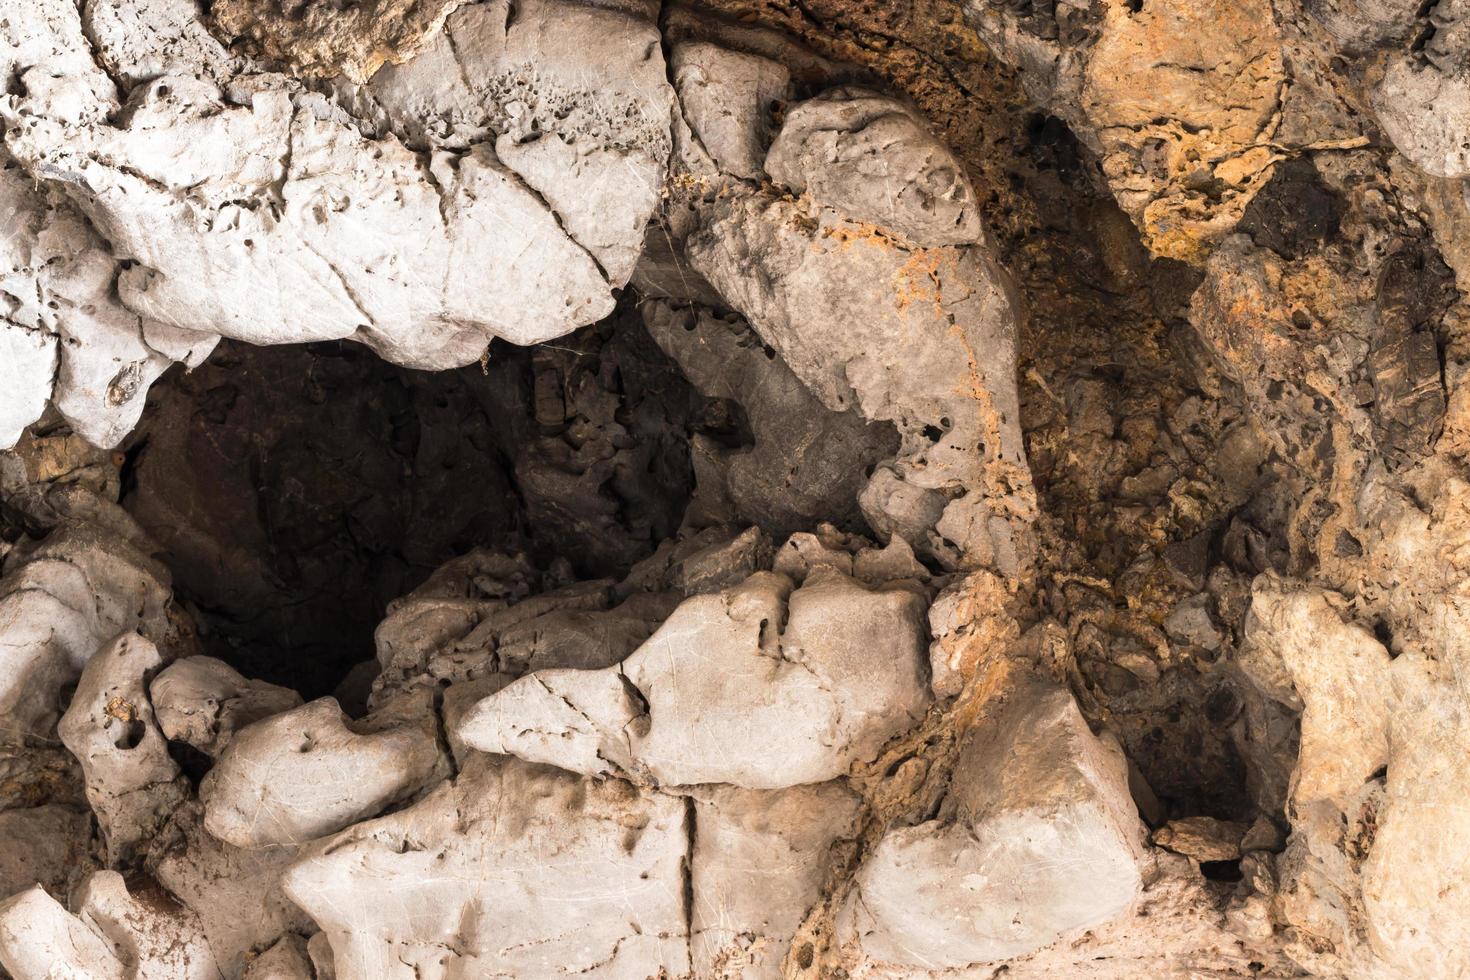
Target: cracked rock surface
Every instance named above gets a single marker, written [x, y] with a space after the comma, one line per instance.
[800, 489]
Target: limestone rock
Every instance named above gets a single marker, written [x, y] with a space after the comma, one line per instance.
[1038, 840]
[589, 880]
[132, 781]
[286, 959]
[306, 773]
[758, 864]
[572, 96]
[1202, 838]
[357, 40]
[1423, 99]
[1241, 389]
[220, 178]
[139, 40]
[60, 601]
[1181, 96]
[152, 936]
[871, 158]
[806, 463]
[198, 258]
[758, 686]
[204, 702]
[924, 338]
[39, 939]
[971, 625]
[726, 99]
[235, 893]
[47, 845]
[1337, 670]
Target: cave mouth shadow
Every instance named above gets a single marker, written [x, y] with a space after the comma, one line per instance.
[297, 490]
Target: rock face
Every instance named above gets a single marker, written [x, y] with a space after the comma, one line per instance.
[596, 859]
[1037, 839]
[324, 775]
[724, 693]
[204, 702]
[533, 488]
[132, 782]
[1423, 100]
[224, 189]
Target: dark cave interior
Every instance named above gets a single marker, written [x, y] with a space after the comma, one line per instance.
[297, 490]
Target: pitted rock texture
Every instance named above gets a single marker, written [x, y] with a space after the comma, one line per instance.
[759, 489]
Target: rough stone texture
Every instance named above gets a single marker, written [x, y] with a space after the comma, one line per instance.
[725, 99]
[870, 158]
[56, 839]
[220, 178]
[63, 598]
[758, 863]
[307, 773]
[40, 939]
[1173, 507]
[151, 935]
[757, 686]
[1183, 97]
[933, 336]
[1423, 99]
[287, 959]
[356, 39]
[1038, 839]
[132, 781]
[572, 97]
[1202, 838]
[971, 625]
[236, 893]
[205, 702]
[596, 859]
[806, 462]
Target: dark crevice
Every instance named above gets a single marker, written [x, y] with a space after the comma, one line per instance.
[295, 491]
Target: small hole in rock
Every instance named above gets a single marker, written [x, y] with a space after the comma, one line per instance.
[1220, 870]
[131, 735]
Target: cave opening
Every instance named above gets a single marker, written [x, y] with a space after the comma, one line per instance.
[297, 490]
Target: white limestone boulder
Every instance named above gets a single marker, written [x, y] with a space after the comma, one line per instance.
[235, 893]
[164, 191]
[41, 940]
[726, 100]
[309, 772]
[756, 686]
[572, 96]
[203, 702]
[132, 782]
[61, 599]
[478, 880]
[873, 159]
[1423, 97]
[924, 338]
[1037, 840]
[154, 937]
[760, 858]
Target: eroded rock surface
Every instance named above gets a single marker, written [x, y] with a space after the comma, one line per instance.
[952, 489]
[1037, 839]
[756, 686]
[598, 860]
[304, 773]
